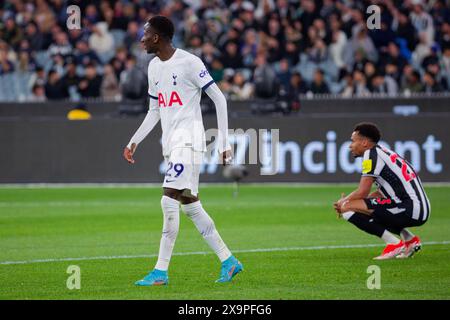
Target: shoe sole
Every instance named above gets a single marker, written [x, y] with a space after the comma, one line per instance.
[388, 257]
[158, 283]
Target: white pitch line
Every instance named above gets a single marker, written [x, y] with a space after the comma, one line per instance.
[351, 246]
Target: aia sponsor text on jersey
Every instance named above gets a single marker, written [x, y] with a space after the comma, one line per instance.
[169, 100]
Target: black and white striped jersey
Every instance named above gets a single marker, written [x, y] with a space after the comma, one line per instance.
[396, 179]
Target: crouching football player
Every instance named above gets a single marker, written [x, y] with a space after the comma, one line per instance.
[399, 202]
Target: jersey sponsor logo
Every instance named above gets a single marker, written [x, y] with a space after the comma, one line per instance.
[384, 201]
[165, 101]
[367, 166]
[203, 73]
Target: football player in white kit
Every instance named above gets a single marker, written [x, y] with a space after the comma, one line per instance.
[176, 79]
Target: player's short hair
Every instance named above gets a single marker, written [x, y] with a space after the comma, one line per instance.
[163, 26]
[368, 130]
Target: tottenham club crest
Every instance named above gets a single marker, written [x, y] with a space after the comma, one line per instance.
[174, 79]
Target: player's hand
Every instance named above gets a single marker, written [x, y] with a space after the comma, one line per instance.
[338, 205]
[226, 157]
[128, 153]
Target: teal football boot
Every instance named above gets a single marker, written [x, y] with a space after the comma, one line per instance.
[154, 278]
[230, 268]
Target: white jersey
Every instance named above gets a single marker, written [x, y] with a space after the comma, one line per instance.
[175, 88]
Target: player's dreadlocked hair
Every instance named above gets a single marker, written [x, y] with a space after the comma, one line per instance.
[368, 130]
[163, 26]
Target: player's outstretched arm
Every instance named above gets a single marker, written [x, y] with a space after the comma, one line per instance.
[220, 102]
[151, 119]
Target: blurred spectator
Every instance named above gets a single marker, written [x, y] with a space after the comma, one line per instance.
[216, 70]
[39, 77]
[133, 81]
[71, 78]
[360, 84]
[430, 83]
[392, 56]
[383, 36]
[101, 41]
[404, 29]
[25, 62]
[292, 53]
[383, 85]
[318, 86]
[296, 88]
[348, 89]
[392, 70]
[119, 19]
[444, 39]
[338, 44]
[208, 54]
[240, 88]
[89, 85]
[445, 64]
[265, 78]
[422, 49]
[369, 71]
[194, 45]
[319, 52]
[132, 36]
[412, 83]
[249, 48]
[91, 14]
[58, 64]
[54, 88]
[110, 89]
[361, 44]
[38, 94]
[284, 74]
[34, 37]
[231, 58]
[11, 33]
[84, 55]
[61, 46]
[6, 66]
[422, 21]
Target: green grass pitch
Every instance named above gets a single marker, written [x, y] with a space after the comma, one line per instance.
[57, 223]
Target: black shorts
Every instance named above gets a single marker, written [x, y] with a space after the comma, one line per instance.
[395, 216]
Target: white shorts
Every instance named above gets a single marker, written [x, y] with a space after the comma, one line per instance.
[183, 170]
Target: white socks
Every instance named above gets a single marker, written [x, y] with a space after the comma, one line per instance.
[171, 211]
[201, 219]
[206, 227]
[347, 215]
[389, 238]
[406, 235]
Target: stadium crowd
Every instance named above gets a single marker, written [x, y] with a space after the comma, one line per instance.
[253, 49]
